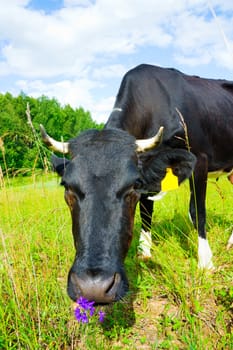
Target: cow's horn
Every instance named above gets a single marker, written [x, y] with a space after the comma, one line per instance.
[62, 147]
[147, 144]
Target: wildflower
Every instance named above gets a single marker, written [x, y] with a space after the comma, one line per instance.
[101, 315]
[85, 309]
[86, 305]
[80, 316]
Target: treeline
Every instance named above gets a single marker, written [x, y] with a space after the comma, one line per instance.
[21, 150]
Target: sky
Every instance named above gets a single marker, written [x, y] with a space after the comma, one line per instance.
[78, 51]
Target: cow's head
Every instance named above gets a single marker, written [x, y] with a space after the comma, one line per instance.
[103, 180]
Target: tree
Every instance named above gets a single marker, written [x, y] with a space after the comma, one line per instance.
[20, 144]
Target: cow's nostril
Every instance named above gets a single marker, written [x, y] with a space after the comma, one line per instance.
[115, 283]
[92, 273]
[97, 288]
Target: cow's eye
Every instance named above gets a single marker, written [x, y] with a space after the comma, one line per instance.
[138, 184]
[79, 193]
[70, 198]
[73, 190]
[125, 191]
[128, 190]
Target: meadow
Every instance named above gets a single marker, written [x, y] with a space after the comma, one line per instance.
[171, 304]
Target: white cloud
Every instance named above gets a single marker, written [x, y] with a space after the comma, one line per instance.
[225, 58]
[65, 42]
[80, 48]
[193, 61]
[68, 40]
[77, 93]
[66, 91]
[200, 41]
[70, 3]
[102, 108]
[111, 71]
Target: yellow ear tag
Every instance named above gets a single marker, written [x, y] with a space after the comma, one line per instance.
[169, 182]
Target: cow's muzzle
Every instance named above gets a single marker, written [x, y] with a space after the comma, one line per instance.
[102, 290]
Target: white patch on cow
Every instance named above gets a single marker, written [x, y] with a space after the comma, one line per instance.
[204, 254]
[116, 109]
[145, 243]
[158, 196]
[230, 241]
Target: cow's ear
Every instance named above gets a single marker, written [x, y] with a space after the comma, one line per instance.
[182, 163]
[59, 164]
[174, 162]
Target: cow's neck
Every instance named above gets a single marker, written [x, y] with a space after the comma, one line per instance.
[118, 119]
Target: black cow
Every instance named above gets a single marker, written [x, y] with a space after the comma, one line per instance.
[196, 114]
[110, 171]
[103, 182]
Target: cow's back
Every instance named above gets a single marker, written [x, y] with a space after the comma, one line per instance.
[208, 113]
[151, 96]
[146, 98]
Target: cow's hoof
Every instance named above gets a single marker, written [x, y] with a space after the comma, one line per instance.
[145, 243]
[204, 254]
[209, 266]
[230, 241]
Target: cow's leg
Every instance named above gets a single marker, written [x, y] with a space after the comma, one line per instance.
[197, 210]
[230, 241]
[145, 241]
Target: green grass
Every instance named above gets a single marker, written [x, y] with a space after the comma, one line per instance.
[171, 304]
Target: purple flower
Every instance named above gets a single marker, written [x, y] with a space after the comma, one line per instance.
[92, 311]
[84, 318]
[101, 315]
[77, 314]
[85, 304]
[86, 308]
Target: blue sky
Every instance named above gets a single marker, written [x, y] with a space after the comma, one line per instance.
[78, 50]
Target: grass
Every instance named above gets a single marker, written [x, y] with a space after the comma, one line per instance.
[171, 304]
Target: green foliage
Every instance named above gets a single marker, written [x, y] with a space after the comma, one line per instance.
[171, 304]
[20, 149]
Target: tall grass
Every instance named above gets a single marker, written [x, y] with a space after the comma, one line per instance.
[171, 304]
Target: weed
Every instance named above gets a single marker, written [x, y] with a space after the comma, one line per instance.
[171, 305]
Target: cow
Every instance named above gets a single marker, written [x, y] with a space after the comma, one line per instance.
[103, 181]
[196, 113]
[162, 122]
